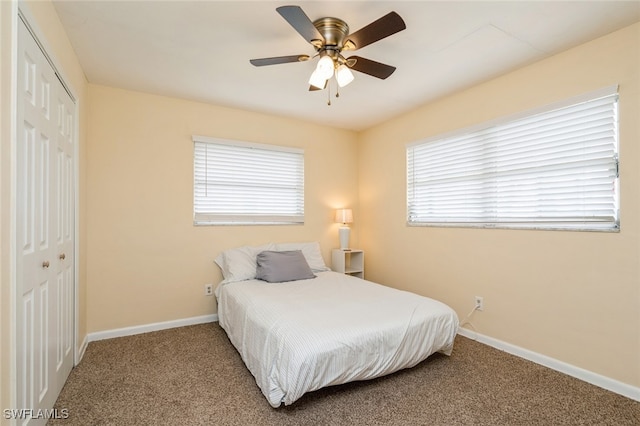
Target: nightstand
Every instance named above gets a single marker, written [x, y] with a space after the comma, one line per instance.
[349, 262]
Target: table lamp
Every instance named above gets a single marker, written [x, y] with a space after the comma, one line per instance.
[344, 216]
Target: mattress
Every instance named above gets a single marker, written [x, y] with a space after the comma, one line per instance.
[300, 336]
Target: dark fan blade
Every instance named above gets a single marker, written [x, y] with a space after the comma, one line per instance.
[278, 60]
[299, 20]
[370, 67]
[313, 88]
[377, 30]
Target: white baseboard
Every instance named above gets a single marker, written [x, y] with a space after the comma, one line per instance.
[147, 328]
[571, 370]
[82, 349]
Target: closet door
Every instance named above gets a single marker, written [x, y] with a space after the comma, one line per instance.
[44, 234]
[64, 229]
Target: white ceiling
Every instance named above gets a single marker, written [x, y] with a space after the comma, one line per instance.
[200, 50]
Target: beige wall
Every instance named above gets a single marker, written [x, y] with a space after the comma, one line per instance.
[43, 17]
[573, 296]
[147, 261]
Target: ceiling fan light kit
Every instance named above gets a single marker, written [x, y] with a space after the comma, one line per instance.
[330, 37]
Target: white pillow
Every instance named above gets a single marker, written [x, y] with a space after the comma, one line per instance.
[311, 252]
[239, 264]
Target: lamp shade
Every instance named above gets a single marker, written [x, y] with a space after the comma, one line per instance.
[344, 216]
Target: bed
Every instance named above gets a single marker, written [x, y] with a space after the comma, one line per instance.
[324, 329]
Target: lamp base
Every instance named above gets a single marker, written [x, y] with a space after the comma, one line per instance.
[344, 237]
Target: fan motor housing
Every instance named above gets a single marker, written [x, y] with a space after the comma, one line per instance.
[333, 30]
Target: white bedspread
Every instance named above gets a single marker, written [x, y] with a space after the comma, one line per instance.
[300, 336]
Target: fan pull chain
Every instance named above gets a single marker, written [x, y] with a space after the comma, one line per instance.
[337, 91]
[329, 93]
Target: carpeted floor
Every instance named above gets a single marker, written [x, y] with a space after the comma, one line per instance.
[194, 376]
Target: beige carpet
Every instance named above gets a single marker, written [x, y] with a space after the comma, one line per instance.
[193, 375]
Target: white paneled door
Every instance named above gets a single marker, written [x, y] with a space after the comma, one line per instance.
[45, 230]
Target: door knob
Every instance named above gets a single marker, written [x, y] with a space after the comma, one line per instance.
[45, 264]
[62, 256]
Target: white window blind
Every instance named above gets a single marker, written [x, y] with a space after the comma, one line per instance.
[246, 183]
[552, 169]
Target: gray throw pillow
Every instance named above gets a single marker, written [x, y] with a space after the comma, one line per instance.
[281, 266]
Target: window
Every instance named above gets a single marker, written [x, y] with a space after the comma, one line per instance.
[247, 183]
[555, 168]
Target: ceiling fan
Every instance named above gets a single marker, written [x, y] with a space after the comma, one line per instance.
[330, 37]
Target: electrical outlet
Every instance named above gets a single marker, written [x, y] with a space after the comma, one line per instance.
[208, 289]
[479, 303]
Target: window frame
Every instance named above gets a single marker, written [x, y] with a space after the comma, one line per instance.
[531, 222]
[290, 154]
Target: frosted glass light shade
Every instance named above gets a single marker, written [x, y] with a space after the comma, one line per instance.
[317, 80]
[325, 67]
[344, 75]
